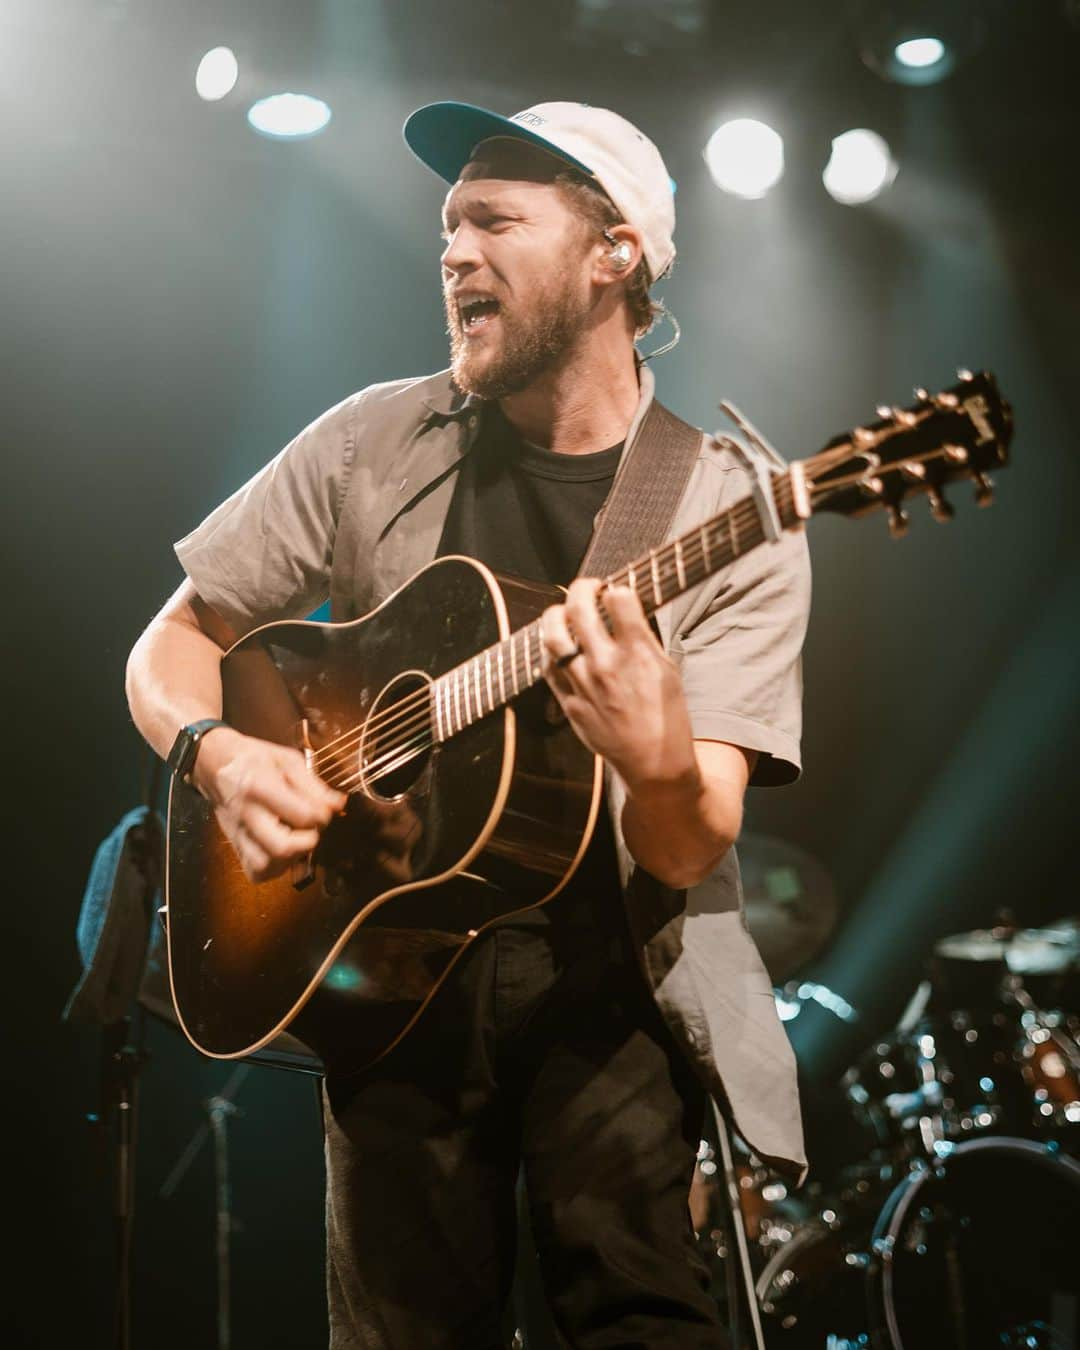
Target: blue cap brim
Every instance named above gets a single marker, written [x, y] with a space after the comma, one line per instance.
[444, 136]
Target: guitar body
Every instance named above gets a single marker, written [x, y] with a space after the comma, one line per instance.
[347, 952]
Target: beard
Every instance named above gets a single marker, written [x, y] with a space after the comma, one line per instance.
[529, 345]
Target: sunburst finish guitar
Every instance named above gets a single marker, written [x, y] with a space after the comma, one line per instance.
[469, 795]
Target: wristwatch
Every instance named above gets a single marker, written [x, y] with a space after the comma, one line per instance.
[186, 746]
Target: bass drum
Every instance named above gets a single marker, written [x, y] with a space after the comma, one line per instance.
[981, 1249]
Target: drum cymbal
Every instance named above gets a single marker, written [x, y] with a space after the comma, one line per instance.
[791, 902]
[1024, 951]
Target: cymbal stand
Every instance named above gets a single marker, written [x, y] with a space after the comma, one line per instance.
[219, 1110]
[738, 1228]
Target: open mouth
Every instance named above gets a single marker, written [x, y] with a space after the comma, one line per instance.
[477, 312]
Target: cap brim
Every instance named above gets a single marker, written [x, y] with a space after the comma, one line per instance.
[444, 136]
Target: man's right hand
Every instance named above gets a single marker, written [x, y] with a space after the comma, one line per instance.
[269, 804]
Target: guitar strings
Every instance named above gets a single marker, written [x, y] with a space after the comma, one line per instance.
[398, 754]
[422, 696]
[410, 715]
[416, 707]
[369, 774]
[692, 551]
[413, 718]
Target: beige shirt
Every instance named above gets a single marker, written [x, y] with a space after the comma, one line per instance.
[355, 505]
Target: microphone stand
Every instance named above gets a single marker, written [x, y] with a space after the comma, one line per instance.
[118, 1112]
[219, 1110]
[739, 1257]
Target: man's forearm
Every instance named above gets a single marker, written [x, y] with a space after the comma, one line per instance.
[173, 678]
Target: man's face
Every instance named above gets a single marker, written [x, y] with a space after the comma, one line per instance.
[515, 275]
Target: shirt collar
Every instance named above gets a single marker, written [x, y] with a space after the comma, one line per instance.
[452, 405]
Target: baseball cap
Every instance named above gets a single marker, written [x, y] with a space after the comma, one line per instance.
[595, 141]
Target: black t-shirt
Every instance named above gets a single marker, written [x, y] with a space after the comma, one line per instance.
[528, 512]
[524, 510]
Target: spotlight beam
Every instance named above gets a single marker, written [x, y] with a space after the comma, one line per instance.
[954, 842]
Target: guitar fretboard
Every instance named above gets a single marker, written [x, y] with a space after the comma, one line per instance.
[489, 680]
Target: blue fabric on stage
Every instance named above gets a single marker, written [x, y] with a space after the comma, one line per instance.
[118, 918]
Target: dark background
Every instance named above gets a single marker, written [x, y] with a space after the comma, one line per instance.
[178, 297]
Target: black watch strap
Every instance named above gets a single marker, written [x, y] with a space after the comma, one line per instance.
[186, 746]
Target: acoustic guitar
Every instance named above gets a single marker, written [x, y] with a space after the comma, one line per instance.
[469, 795]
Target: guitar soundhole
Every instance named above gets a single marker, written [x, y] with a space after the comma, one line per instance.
[397, 741]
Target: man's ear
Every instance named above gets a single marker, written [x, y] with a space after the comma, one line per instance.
[621, 252]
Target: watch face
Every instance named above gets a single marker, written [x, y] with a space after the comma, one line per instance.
[186, 746]
[181, 756]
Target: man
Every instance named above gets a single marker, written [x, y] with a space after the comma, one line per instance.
[571, 1042]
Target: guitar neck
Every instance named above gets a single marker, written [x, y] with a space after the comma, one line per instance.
[489, 680]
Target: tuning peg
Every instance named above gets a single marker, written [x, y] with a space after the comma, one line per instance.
[922, 395]
[984, 490]
[939, 507]
[962, 373]
[913, 470]
[884, 411]
[898, 521]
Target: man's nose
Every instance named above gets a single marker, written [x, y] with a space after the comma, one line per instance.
[462, 253]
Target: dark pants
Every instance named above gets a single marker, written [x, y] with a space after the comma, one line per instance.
[544, 1051]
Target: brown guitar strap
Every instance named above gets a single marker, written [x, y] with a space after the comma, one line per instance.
[646, 493]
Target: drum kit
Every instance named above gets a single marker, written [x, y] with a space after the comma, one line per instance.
[956, 1225]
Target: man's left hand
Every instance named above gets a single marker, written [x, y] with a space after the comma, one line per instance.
[624, 698]
[619, 691]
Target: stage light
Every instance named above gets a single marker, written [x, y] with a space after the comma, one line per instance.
[289, 116]
[918, 42]
[860, 167]
[216, 74]
[745, 158]
[920, 53]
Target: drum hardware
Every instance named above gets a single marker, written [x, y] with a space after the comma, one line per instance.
[768, 1218]
[1048, 1053]
[1024, 951]
[909, 1098]
[1049, 1068]
[789, 900]
[1002, 1064]
[977, 1247]
[959, 1227]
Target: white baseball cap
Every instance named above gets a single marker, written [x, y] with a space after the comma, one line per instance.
[600, 144]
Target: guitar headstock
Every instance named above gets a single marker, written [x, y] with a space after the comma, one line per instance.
[962, 432]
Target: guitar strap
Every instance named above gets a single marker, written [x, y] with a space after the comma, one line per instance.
[646, 493]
